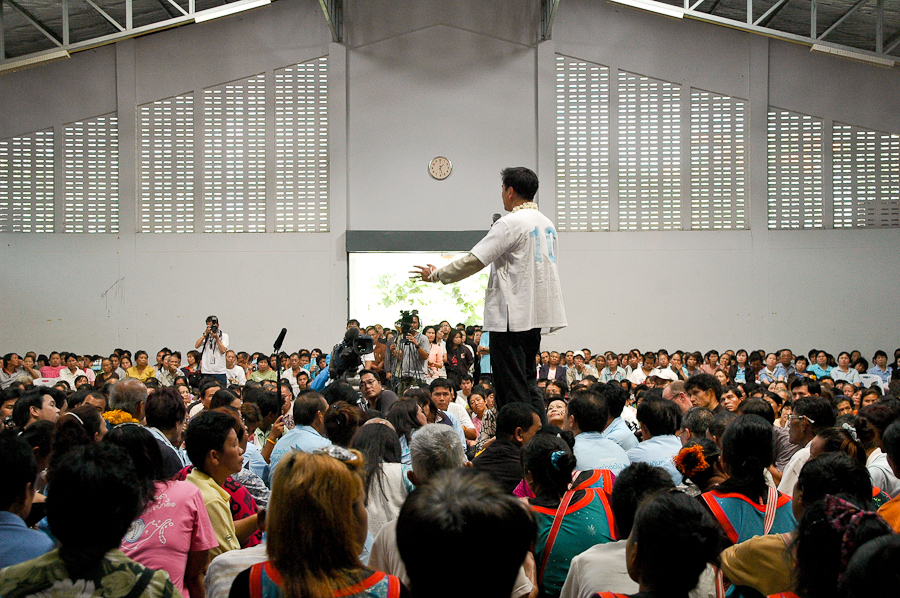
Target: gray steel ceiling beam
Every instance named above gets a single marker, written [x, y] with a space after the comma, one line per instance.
[548, 13]
[837, 23]
[771, 13]
[104, 14]
[2, 34]
[879, 26]
[334, 16]
[35, 22]
[892, 44]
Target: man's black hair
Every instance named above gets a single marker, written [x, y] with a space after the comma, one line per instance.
[19, 468]
[221, 398]
[822, 413]
[306, 406]
[704, 382]
[758, 407]
[207, 383]
[696, 421]
[523, 181]
[616, 398]
[661, 417]
[442, 383]
[207, 432]
[590, 410]
[814, 387]
[164, 409]
[633, 484]
[512, 416]
[269, 402]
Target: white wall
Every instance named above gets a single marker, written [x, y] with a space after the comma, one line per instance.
[467, 80]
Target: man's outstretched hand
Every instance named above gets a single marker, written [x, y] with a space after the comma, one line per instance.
[427, 273]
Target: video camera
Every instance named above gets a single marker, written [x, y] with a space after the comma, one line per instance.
[406, 320]
[347, 355]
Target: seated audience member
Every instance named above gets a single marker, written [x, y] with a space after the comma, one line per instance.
[37, 404]
[129, 396]
[208, 388]
[225, 567]
[271, 407]
[830, 531]
[843, 439]
[174, 532]
[309, 428]
[140, 369]
[407, 417]
[744, 504]
[384, 474]
[659, 568]
[454, 511]
[316, 532]
[434, 448]
[784, 448]
[660, 420]
[18, 543]
[891, 511]
[96, 497]
[699, 464]
[766, 563]
[442, 394]
[556, 413]
[377, 397]
[871, 426]
[212, 446]
[246, 482]
[675, 392]
[81, 427]
[517, 423]
[165, 414]
[872, 570]
[587, 415]
[694, 424]
[569, 521]
[341, 422]
[617, 429]
[704, 390]
[809, 415]
[604, 565]
[224, 398]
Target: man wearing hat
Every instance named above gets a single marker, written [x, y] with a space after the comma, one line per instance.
[579, 370]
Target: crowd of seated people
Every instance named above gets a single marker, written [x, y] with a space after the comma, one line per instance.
[647, 474]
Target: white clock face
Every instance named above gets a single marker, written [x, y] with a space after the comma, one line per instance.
[440, 168]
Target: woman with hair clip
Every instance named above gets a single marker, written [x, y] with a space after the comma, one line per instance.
[744, 504]
[844, 439]
[829, 533]
[315, 532]
[569, 521]
[699, 463]
[79, 427]
[663, 569]
[406, 416]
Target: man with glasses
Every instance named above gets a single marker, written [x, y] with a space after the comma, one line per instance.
[809, 416]
[377, 397]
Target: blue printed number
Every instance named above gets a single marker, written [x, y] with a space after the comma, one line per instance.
[551, 244]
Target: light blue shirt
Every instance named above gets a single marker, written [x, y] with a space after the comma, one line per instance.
[851, 375]
[179, 452]
[254, 461]
[606, 375]
[658, 452]
[303, 438]
[485, 359]
[457, 427]
[18, 543]
[593, 451]
[818, 371]
[619, 432]
[884, 375]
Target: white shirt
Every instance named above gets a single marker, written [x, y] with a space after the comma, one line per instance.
[523, 291]
[792, 471]
[213, 360]
[236, 375]
[637, 376]
[881, 473]
[460, 413]
[225, 567]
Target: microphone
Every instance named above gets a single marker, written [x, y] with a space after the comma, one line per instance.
[495, 218]
[280, 340]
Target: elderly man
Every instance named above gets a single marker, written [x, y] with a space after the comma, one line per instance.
[579, 370]
[435, 448]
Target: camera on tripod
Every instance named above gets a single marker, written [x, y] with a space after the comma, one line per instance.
[406, 321]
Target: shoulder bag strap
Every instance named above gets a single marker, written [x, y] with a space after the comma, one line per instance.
[771, 507]
[554, 530]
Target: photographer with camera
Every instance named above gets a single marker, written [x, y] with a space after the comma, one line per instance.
[212, 355]
[410, 353]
